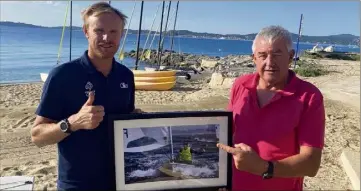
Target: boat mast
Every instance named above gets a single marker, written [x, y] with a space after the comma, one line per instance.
[166, 24]
[138, 39]
[160, 35]
[298, 39]
[175, 22]
[71, 28]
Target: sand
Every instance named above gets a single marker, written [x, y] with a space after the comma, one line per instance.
[342, 99]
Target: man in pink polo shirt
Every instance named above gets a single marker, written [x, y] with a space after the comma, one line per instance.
[279, 120]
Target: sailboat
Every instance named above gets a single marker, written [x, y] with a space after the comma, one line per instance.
[144, 139]
[138, 140]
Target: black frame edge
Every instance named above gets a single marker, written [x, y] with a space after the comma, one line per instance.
[153, 115]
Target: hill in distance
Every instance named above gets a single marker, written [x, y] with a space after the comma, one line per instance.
[343, 39]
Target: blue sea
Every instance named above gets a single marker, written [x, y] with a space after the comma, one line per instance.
[26, 52]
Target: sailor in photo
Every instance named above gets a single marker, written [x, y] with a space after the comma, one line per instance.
[186, 153]
[72, 116]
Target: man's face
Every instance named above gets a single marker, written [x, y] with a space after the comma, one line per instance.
[272, 60]
[104, 33]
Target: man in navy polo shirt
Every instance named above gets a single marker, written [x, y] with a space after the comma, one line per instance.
[78, 95]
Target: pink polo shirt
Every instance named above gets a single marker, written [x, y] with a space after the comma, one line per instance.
[294, 117]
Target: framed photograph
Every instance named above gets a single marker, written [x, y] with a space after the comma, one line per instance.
[171, 151]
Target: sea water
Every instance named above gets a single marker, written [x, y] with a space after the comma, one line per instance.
[25, 52]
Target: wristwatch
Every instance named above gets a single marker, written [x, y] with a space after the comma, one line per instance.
[269, 173]
[65, 126]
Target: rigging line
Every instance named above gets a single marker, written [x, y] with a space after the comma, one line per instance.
[126, 33]
[165, 31]
[160, 35]
[62, 33]
[166, 24]
[172, 41]
[150, 30]
[161, 26]
[155, 32]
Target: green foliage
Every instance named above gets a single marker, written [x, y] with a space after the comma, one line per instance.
[307, 69]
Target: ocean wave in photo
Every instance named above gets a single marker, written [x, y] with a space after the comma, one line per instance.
[160, 164]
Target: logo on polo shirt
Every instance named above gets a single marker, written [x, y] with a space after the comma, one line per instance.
[88, 88]
[123, 85]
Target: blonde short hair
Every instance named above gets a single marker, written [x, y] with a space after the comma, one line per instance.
[100, 8]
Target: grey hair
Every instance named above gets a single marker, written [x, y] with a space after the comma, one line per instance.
[271, 33]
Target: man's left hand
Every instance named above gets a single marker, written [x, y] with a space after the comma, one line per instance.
[245, 158]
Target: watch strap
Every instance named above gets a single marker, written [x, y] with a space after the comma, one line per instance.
[269, 173]
[68, 130]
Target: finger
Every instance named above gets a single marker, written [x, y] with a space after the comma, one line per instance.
[243, 146]
[91, 98]
[99, 114]
[96, 109]
[94, 125]
[227, 148]
[98, 117]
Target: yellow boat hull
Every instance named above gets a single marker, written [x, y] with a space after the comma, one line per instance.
[143, 73]
[161, 86]
[155, 79]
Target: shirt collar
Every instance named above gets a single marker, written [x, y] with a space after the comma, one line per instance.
[288, 90]
[89, 65]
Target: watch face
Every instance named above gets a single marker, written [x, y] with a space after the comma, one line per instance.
[63, 126]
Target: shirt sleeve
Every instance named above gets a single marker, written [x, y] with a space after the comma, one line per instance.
[311, 131]
[231, 98]
[51, 102]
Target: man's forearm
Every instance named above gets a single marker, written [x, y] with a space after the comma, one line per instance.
[294, 166]
[47, 134]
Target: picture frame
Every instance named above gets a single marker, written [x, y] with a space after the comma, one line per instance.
[171, 150]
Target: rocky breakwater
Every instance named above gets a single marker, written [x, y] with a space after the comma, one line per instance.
[223, 70]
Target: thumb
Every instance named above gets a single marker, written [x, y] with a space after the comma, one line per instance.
[91, 98]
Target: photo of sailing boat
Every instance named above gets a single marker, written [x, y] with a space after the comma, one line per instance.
[154, 154]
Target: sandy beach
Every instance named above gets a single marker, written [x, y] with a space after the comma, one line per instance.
[341, 89]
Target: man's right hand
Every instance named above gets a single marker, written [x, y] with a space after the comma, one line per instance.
[89, 116]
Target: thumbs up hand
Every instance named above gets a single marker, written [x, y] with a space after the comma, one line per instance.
[89, 116]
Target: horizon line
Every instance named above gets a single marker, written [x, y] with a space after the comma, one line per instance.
[179, 30]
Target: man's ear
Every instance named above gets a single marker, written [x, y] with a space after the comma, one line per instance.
[85, 30]
[292, 54]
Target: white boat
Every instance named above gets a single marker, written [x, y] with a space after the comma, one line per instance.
[43, 76]
[17, 183]
[317, 48]
[329, 49]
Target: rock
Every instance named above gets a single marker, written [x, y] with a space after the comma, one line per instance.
[219, 81]
[209, 63]
[228, 82]
[216, 80]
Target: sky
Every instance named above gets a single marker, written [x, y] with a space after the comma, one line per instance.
[223, 17]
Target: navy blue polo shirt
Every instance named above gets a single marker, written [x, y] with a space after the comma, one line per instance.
[84, 158]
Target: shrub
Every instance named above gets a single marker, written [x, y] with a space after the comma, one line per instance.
[310, 70]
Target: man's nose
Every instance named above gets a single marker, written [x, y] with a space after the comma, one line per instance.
[105, 37]
[270, 60]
